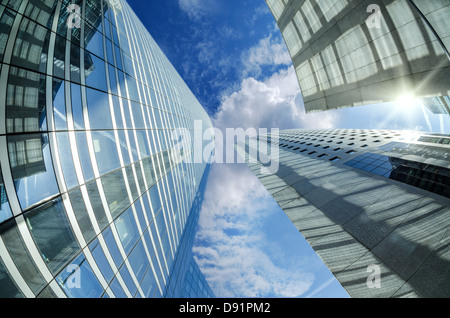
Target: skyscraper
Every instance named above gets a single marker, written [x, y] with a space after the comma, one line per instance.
[94, 203]
[350, 53]
[373, 204]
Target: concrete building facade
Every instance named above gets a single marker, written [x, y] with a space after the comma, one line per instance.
[374, 205]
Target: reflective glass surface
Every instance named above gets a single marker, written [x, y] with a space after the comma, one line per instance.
[89, 100]
[425, 176]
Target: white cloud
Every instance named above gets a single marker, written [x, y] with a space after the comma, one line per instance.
[270, 50]
[275, 102]
[231, 246]
[197, 9]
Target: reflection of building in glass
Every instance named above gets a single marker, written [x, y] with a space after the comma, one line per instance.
[93, 204]
[369, 197]
[349, 54]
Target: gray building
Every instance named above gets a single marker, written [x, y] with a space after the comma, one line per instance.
[373, 204]
[438, 105]
[350, 53]
[93, 201]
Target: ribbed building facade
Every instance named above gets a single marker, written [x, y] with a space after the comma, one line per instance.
[93, 201]
[349, 53]
[373, 204]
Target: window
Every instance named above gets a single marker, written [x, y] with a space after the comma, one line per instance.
[53, 234]
[31, 166]
[5, 210]
[19, 253]
[105, 151]
[428, 177]
[79, 208]
[99, 109]
[78, 280]
[115, 192]
[101, 260]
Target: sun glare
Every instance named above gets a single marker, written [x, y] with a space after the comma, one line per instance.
[407, 101]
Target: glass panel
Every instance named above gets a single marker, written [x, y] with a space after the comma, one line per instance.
[95, 73]
[75, 62]
[31, 166]
[78, 281]
[105, 151]
[115, 191]
[137, 115]
[112, 247]
[124, 147]
[95, 44]
[117, 289]
[59, 57]
[79, 208]
[30, 48]
[59, 105]
[148, 284]
[128, 280]
[133, 147]
[100, 259]
[132, 183]
[5, 210]
[154, 199]
[18, 252]
[139, 261]
[140, 215]
[140, 178]
[9, 288]
[143, 144]
[97, 205]
[127, 230]
[25, 101]
[52, 234]
[77, 108]
[65, 155]
[6, 21]
[41, 11]
[148, 171]
[99, 110]
[47, 293]
[85, 158]
[113, 81]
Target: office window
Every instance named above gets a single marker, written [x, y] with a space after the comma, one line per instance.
[53, 234]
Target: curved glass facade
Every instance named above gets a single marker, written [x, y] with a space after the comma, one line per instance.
[93, 202]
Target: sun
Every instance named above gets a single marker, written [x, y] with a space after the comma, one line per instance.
[407, 101]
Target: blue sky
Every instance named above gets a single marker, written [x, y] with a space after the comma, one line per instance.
[232, 56]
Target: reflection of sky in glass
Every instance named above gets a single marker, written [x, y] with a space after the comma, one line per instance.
[78, 280]
[5, 210]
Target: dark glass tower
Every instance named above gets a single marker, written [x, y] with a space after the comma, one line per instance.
[93, 202]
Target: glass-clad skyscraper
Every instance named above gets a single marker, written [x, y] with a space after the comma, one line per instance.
[373, 204]
[94, 203]
[349, 53]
